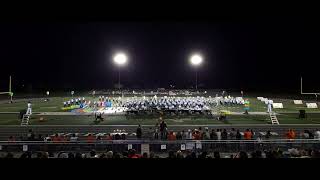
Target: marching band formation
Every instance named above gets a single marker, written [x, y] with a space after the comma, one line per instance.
[180, 103]
[157, 103]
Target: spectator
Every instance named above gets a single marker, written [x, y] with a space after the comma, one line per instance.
[218, 133]
[90, 138]
[247, 135]
[179, 136]
[238, 135]
[179, 155]
[233, 134]
[109, 154]
[252, 134]
[171, 136]
[11, 139]
[206, 134]
[56, 138]
[163, 126]
[268, 135]
[224, 134]
[73, 138]
[92, 153]
[156, 134]
[139, 132]
[189, 134]
[132, 154]
[291, 134]
[213, 135]
[317, 134]
[184, 134]
[108, 137]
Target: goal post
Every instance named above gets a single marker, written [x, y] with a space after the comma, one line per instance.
[10, 93]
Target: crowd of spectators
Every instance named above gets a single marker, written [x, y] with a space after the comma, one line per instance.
[161, 132]
[132, 154]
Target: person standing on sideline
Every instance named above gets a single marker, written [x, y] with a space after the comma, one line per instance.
[246, 106]
[269, 106]
[29, 109]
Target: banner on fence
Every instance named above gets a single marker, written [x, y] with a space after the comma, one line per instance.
[145, 148]
[163, 146]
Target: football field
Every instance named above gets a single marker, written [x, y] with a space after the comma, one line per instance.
[9, 114]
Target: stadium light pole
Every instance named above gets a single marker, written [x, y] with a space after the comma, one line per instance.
[120, 59]
[196, 61]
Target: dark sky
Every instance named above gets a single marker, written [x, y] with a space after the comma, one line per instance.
[257, 53]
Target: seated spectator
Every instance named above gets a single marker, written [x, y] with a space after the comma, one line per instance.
[171, 136]
[132, 154]
[179, 135]
[183, 134]
[189, 134]
[268, 135]
[213, 135]
[196, 135]
[73, 138]
[108, 137]
[206, 134]
[179, 155]
[11, 139]
[317, 134]
[91, 138]
[218, 133]
[56, 138]
[224, 134]
[118, 137]
[92, 153]
[247, 135]
[233, 134]
[291, 134]
[139, 132]
[238, 135]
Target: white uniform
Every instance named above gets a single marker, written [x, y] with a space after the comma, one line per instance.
[269, 106]
[29, 110]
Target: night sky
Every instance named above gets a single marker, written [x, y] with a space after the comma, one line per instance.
[254, 54]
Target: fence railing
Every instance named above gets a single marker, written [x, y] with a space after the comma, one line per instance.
[161, 146]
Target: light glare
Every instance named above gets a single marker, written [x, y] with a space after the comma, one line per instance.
[196, 59]
[120, 59]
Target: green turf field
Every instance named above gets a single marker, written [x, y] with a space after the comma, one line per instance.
[12, 119]
[288, 115]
